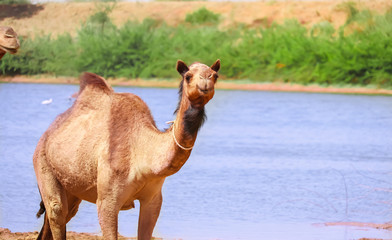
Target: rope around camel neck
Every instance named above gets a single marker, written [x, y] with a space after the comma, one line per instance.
[175, 140]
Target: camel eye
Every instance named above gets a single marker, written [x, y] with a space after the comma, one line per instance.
[188, 77]
[215, 76]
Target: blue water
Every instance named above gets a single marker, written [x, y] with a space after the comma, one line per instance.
[266, 165]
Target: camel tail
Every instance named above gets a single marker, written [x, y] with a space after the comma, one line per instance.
[41, 209]
[95, 81]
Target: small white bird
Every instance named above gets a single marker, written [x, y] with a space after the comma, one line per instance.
[49, 101]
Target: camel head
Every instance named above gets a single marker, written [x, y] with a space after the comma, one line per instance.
[198, 81]
[9, 41]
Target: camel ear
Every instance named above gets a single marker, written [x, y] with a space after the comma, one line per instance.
[182, 68]
[216, 66]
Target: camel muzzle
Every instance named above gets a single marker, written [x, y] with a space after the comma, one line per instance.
[205, 86]
[10, 50]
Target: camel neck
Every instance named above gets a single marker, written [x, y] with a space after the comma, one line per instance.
[183, 132]
[187, 124]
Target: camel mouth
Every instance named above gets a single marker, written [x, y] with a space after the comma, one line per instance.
[205, 90]
[11, 50]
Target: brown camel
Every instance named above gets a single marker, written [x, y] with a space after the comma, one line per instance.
[9, 41]
[106, 149]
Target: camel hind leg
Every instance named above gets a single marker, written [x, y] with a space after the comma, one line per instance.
[56, 206]
[60, 206]
[54, 199]
[46, 232]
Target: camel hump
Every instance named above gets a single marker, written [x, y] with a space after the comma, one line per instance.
[95, 81]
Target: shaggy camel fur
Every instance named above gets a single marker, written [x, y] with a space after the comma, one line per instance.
[106, 149]
[9, 41]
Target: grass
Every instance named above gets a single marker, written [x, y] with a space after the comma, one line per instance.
[356, 54]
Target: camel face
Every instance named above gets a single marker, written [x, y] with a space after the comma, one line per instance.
[199, 81]
[9, 41]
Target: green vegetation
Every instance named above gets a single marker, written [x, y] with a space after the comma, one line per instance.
[101, 16]
[202, 16]
[359, 53]
[14, 2]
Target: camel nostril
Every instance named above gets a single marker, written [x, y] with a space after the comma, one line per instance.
[205, 88]
[205, 85]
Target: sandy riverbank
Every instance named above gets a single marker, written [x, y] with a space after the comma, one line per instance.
[6, 234]
[225, 84]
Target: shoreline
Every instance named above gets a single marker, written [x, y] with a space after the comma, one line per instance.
[6, 234]
[221, 85]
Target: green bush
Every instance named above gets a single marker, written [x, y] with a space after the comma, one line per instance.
[100, 19]
[202, 16]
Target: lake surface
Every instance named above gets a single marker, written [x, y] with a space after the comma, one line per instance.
[266, 165]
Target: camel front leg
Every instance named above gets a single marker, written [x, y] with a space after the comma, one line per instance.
[108, 218]
[149, 213]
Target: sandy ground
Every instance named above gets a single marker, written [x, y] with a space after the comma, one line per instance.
[57, 18]
[6, 234]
